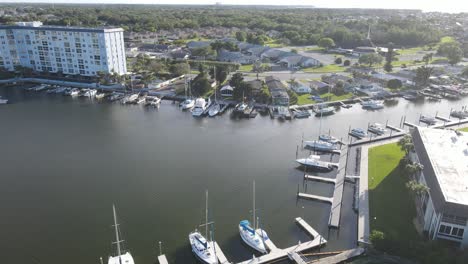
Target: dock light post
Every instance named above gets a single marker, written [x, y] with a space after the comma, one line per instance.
[100, 259]
[160, 248]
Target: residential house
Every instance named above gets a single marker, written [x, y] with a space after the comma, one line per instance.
[319, 87]
[296, 61]
[278, 91]
[226, 91]
[198, 44]
[256, 85]
[273, 54]
[235, 57]
[300, 88]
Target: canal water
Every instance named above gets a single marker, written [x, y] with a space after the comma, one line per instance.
[65, 161]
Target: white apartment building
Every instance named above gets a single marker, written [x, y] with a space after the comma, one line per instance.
[443, 211]
[70, 50]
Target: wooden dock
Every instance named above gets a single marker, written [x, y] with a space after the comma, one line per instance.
[406, 123]
[342, 257]
[335, 211]
[296, 257]
[162, 259]
[443, 118]
[315, 197]
[268, 243]
[318, 178]
[219, 253]
[394, 128]
[307, 228]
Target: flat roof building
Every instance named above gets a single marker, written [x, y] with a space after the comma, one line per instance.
[69, 50]
[443, 211]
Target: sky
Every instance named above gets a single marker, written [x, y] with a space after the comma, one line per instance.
[453, 6]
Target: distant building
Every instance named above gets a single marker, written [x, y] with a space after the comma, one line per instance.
[226, 91]
[70, 50]
[278, 91]
[319, 87]
[294, 61]
[443, 211]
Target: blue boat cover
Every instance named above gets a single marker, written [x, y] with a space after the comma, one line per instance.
[205, 244]
[246, 226]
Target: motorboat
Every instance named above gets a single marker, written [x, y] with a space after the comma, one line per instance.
[428, 120]
[328, 138]
[130, 99]
[153, 101]
[314, 161]
[201, 247]
[320, 145]
[141, 99]
[324, 111]
[199, 108]
[74, 92]
[122, 256]
[3, 101]
[301, 114]
[252, 236]
[189, 103]
[283, 112]
[115, 96]
[372, 105]
[60, 90]
[100, 95]
[410, 97]
[459, 114]
[377, 128]
[358, 132]
[89, 92]
[240, 107]
[214, 109]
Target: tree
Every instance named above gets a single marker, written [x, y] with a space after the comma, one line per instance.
[423, 74]
[427, 58]
[413, 168]
[370, 59]
[388, 67]
[326, 43]
[178, 69]
[465, 72]
[394, 84]
[156, 66]
[241, 91]
[200, 85]
[294, 51]
[406, 144]
[203, 52]
[221, 73]
[147, 78]
[236, 80]
[338, 60]
[377, 239]
[241, 36]
[417, 188]
[452, 50]
[346, 63]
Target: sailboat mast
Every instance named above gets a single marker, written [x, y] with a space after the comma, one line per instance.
[253, 222]
[216, 82]
[116, 227]
[206, 215]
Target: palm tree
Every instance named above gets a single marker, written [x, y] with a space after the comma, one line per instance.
[414, 168]
[406, 144]
[418, 189]
[147, 78]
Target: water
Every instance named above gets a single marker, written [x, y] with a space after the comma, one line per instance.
[65, 161]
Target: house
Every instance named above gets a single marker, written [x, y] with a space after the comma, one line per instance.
[278, 91]
[298, 61]
[234, 56]
[273, 54]
[442, 211]
[333, 79]
[358, 51]
[300, 88]
[180, 54]
[257, 50]
[226, 91]
[198, 44]
[256, 86]
[319, 87]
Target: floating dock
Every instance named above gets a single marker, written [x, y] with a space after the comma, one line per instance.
[268, 243]
[219, 253]
[443, 118]
[315, 197]
[318, 178]
[162, 259]
[394, 128]
[342, 257]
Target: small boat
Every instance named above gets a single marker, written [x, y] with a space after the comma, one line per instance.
[358, 132]
[116, 96]
[314, 161]
[377, 128]
[199, 108]
[459, 114]
[283, 112]
[410, 97]
[324, 111]
[153, 101]
[100, 95]
[130, 99]
[67, 91]
[189, 103]
[240, 108]
[60, 90]
[214, 109]
[122, 256]
[50, 91]
[428, 120]
[201, 247]
[141, 99]
[252, 236]
[372, 105]
[3, 101]
[74, 92]
[320, 145]
[89, 92]
[41, 87]
[301, 114]
[328, 138]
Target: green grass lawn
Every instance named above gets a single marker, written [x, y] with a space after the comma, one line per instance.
[391, 207]
[246, 68]
[464, 129]
[447, 39]
[326, 69]
[333, 97]
[274, 43]
[304, 99]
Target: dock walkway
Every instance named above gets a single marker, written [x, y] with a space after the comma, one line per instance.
[318, 178]
[162, 259]
[219, 253]
[315, 197]
[342, 257]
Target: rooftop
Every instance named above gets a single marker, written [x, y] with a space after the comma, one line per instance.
[38, 25]
[444, 154]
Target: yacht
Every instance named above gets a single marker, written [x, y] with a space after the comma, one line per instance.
[89, 92]
[314, 161]
[214, 109]
[121, 257]
[301, 114]
[189, 103]
[199, 108]
[324, 111]
[201, 247]
[377, 128]
[428, 120]
[328, 138]
[358, 132]
[459, 114]
[74, 92]
[252, 236]
[320, 145]
[3, 101]
[100, 95]
[372, 105]
[152, 101]
[141, 99]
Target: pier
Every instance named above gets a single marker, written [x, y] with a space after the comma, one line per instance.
[318, 178]
[268, 243]
[219, 254]
[342, 257]
[162, 259]
[315, 197]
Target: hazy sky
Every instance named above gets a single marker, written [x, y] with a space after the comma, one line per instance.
[426, 5]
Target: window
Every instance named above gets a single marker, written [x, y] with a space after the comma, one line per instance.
[451, 231]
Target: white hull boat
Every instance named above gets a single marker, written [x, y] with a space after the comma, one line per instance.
[100, 95]
[121, 257]
[358, 132]
[3, 101]
[74, 92]
[372, 105]
[89, 93]
[314, 161]
[203, 249]
[200, 107]
[187, 104]
[252, 237]
[214, 109]
[377, 128]
[328, 138]
[320, 145]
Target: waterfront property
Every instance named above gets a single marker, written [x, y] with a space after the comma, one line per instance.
[443, 210]
[277, 89]
[67, 50]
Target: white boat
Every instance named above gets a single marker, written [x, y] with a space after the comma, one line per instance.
[201, 247]
[153, 101]
[60, 90]
[320, 145]
[372, 104]
[122, 257]
[89, 92]
[252, 236]
[377, 128]
[74, 92]
[358, 132]
[115, 96]
[240, 107]
[141, 99]
[130, 99]
[301, 114]
[3, 101]
[324, 111]
[328, 138]
[187, 104]
[100, 95]
[428, 120]
[40, 87]
[214, 109]
[314, 161]
[199, 108]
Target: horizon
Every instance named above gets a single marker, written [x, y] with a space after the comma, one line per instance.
[448, 6]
